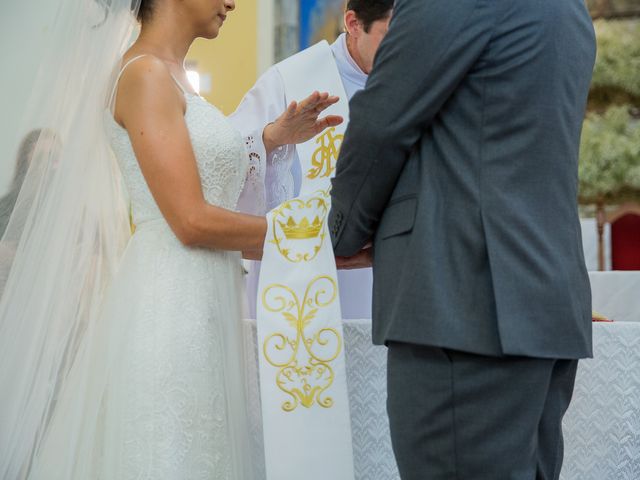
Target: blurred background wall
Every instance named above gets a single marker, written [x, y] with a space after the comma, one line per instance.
[228, 65]
[18, 74]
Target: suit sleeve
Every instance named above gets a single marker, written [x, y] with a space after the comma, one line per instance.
[430, 47]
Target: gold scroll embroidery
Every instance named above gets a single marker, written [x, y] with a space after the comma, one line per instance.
[303, 361]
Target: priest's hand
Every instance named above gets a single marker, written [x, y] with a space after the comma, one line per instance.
[362, 259]
[301, 122]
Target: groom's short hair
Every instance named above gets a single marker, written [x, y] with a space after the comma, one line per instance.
[369, 11]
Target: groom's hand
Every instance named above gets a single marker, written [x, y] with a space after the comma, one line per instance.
[362, 259]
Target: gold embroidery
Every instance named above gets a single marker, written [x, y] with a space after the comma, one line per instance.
[302, 231]
[132, 225]
[296, 238]
[305, 373]
[324, 158]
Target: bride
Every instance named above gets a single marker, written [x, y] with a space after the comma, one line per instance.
[121, 356]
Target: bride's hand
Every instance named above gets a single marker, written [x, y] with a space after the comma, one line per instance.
[301, 122]
[252, 254]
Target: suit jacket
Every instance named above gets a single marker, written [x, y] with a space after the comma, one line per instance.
[460, 162]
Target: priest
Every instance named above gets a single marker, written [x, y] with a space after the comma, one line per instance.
[275, 173]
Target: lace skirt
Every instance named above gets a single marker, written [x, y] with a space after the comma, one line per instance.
[172, 401]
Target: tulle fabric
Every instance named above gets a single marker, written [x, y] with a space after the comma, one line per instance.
[60, 334]
[164, 395]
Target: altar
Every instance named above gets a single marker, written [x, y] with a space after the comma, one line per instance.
[602, 426]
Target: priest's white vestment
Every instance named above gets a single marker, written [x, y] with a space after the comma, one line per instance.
[276, 177]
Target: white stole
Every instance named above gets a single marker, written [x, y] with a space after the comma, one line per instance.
[303, 383]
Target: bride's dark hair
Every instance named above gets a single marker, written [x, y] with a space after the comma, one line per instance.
[145, 9]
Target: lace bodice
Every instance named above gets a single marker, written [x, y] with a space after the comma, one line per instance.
[219, 151]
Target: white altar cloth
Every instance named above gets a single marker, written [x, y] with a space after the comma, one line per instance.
[602, 426]
[590, 243]
[616, 295]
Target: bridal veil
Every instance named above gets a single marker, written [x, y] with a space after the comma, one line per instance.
[67, 230]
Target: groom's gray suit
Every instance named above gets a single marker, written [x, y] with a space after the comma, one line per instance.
[460, 162]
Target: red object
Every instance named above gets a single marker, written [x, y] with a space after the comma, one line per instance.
[625, 243]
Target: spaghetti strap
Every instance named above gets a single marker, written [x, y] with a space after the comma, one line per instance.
[184, 90]
[129, 62]
[115, 84]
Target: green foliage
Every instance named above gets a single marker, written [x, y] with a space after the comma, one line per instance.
[610, 146]
[616, 75]
[610, 156]
[613, 8]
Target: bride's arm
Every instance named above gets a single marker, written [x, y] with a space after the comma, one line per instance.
[151, 108]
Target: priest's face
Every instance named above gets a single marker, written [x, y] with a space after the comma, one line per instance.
[364, 44]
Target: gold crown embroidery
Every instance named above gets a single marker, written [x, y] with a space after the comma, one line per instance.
[286, 231]
[303, 230]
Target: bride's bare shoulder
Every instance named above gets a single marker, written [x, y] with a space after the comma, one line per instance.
[146, 83]
[144, 71]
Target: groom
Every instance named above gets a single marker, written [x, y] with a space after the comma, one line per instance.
[460, 165]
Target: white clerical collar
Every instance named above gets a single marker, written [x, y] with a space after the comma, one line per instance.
[349, 69]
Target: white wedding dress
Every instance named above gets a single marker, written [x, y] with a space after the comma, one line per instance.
[173, 405]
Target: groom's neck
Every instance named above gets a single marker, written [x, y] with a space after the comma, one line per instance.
[352, 48]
